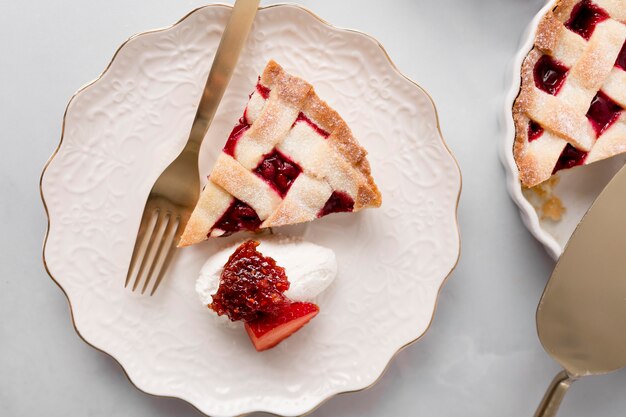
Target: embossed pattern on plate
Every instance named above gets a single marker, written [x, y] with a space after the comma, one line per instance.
[122, 130]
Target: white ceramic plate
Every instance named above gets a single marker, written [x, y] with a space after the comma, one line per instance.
[577, 188]
[123, 129]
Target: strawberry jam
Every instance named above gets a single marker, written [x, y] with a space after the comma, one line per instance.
[251, 285]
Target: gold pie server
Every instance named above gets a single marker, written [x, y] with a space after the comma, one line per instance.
[581, 318]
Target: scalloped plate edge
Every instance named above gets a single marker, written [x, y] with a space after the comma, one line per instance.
[86, 86]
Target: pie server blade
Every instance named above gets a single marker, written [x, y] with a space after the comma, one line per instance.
[581, 318]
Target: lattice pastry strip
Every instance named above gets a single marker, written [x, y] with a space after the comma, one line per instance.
[291, 159]
[614, 86]
[573, 91]
[610, 143]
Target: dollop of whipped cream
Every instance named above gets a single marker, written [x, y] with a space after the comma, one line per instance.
[310, 268]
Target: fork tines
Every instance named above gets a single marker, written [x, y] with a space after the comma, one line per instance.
[154, 248]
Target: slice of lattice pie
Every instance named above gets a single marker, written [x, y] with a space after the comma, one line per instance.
[290, 159]
[570, 110]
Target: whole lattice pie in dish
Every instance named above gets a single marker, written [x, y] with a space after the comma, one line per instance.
[290, 159]
[570, 108]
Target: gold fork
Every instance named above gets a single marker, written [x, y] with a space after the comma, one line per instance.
[176, 191]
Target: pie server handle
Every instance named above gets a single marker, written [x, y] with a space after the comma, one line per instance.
[554, 395]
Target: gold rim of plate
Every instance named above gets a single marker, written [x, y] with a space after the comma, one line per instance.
[393, 65]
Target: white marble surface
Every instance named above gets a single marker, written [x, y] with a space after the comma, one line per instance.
[481, 356]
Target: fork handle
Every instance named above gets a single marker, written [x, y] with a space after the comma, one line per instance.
[228, 51]
[554, 395]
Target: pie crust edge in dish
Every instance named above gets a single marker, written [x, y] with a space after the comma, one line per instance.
[528, 213]
[554, 37]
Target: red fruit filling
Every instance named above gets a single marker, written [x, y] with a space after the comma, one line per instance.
[534, 131]
[302, 118]
[570, 157]
[549, 75]
[603, 112]
[239, 216]
[338, 202]
[584, 18]
[262, 90]
[250, 285]
[279, 171]
[621, 58]
[270, 329]
[237, 132]
[243, 125]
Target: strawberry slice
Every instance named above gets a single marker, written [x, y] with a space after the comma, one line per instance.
[270, 329]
